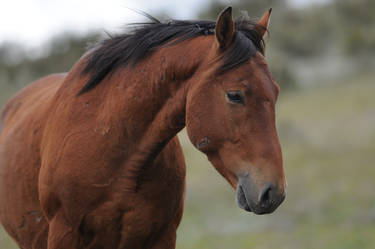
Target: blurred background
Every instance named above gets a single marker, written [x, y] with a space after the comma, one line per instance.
[321, 52]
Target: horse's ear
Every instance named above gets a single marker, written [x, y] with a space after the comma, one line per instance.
[263, 23]
[224, 30]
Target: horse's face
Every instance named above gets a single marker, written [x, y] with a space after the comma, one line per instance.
[231, 118]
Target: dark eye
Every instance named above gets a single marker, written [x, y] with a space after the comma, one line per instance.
[235, 97]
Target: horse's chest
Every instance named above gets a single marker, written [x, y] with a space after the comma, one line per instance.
[139, 219]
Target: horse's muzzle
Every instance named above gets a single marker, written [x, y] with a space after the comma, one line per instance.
[262, 200]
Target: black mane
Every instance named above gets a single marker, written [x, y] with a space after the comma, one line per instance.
[129, 48]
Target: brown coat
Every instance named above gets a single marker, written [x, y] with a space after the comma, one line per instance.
[104, 169]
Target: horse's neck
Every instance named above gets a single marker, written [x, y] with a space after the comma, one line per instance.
[149, 101]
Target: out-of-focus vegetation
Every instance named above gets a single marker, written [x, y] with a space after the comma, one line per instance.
[18, 66]
[323, 57]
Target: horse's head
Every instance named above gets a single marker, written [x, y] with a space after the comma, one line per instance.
[231, 116]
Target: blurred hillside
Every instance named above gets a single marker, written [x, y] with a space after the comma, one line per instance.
[306, 47]
[18, 66]
[323, 57]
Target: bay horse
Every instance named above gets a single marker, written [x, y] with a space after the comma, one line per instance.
[90, 158]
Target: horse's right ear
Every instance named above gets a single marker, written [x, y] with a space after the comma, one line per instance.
[224, 30]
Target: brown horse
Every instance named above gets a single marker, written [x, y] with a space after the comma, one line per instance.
[90, 158]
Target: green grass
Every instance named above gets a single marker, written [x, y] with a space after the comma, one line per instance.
[328, 139]
[5, 241]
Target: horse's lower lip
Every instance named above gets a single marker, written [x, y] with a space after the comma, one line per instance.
[247, 208]
[242, 201]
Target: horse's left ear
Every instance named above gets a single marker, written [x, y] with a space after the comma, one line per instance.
[263, 23]
[224, 30]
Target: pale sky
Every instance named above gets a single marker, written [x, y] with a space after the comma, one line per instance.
[32, 22]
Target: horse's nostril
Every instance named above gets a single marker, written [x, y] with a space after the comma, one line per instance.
[265, 198]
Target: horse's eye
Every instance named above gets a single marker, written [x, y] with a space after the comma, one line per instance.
[235, 97]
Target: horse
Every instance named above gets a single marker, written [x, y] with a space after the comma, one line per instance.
[90, 158]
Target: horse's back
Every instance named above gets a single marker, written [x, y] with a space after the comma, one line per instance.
[29, 100]
[21, 125]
